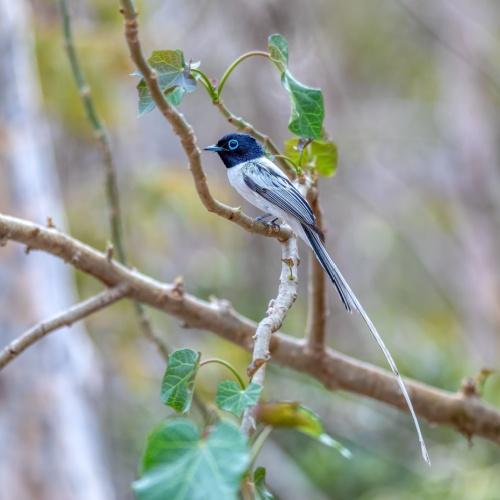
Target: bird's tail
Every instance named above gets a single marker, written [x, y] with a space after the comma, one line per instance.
[352, 303]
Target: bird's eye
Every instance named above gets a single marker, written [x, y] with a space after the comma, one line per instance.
[232, 144]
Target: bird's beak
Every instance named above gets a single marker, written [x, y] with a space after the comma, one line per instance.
[214, 148]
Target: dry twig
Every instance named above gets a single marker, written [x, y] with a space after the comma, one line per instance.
[271, 323]
[66, 318]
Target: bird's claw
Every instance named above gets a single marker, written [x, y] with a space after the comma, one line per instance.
[273, 224]
[262, 218]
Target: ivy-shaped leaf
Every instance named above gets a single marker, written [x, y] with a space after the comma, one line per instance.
[179, 463]
[174, 78]
[300, 418]
[178, 381]
[232, 398]
[307, 113]
[278, 50]
[306, 117]
[259, 480]
[319, 155]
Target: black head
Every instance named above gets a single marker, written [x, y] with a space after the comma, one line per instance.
[237, 148]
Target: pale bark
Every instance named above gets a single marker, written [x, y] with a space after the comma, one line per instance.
[464, 412]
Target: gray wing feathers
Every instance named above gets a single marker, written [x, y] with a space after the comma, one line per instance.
[279, 191]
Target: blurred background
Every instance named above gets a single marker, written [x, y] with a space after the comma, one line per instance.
[412, 94]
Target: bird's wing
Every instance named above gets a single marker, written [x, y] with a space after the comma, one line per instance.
[279, 191]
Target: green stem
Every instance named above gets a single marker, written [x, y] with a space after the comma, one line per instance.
[112, 192]
[229, 366]
[259, 443]
[207, 84]
[301, 155]
[235, 63]
[100, 132]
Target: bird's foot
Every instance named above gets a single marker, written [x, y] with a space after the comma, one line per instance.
[263, 217]
[273, 224]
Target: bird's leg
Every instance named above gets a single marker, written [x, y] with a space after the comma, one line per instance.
[272, 223]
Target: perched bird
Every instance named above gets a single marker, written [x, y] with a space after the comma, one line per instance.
[265, 186]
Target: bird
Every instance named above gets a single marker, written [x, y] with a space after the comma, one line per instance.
[263, 184]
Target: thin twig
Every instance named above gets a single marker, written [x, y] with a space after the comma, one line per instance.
[186, 136]
[65, 318]
[317, 308]
[468, 415]
[100, 132]
[112, 192]
[271, 323]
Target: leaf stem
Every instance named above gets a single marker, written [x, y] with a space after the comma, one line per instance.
[228, 365]
[235, 63]
[207, 84]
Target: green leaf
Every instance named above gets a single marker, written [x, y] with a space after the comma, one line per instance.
[180, 464]
[307, 113]
[319, 155]
[232, 398]
[178, 381]
[259, 480]
[174, 78]
[278, 50]
[300, 418]
[306, 117]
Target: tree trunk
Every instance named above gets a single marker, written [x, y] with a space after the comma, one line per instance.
[49, 435]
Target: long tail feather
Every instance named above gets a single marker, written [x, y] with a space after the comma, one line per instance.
[352, 303]
[330, 268]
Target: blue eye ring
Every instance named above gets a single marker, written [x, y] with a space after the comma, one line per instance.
[232, 144]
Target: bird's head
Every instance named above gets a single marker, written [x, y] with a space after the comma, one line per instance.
[234, 149]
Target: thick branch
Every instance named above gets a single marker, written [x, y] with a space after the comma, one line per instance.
[186, 135]
[65, 318]
[467, 414]
[271, 323]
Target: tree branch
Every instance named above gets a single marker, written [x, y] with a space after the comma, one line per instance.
[186, 135]
[467, 414]
[271, 323]
[317, 307]
[65, 318]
